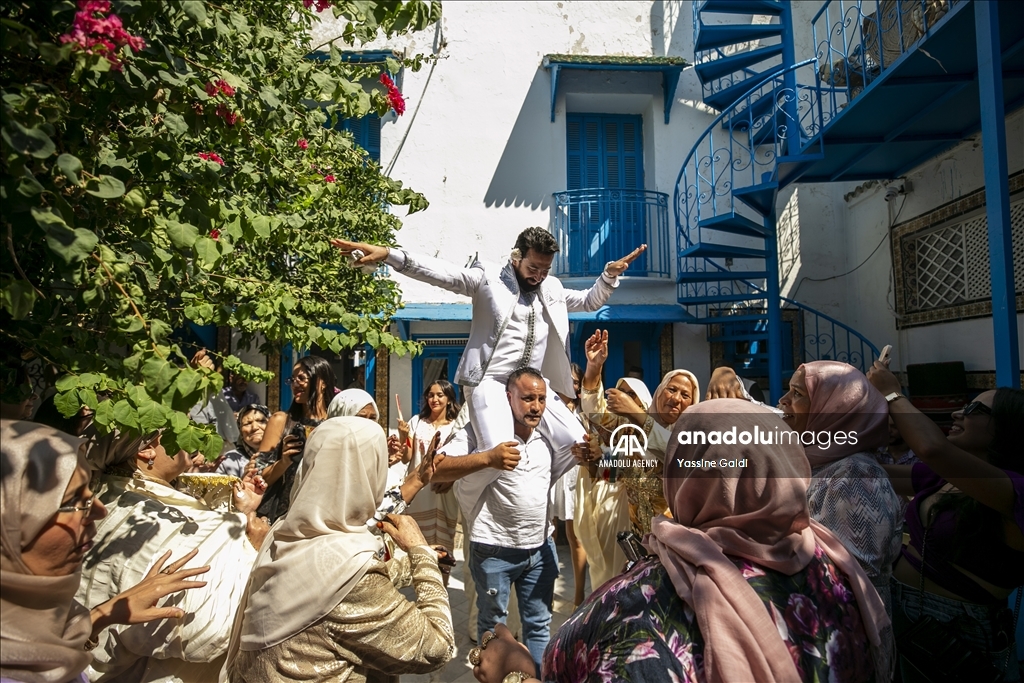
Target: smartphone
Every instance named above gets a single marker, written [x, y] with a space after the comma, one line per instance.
[632, 548]
[885, 355]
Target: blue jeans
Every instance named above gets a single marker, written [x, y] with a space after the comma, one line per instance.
[533, 572]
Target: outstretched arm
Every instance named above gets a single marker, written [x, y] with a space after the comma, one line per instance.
[986, 483]
[464, 281]
[595, 297]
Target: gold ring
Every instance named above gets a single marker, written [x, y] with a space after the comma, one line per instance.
[488, 637]
[474, 656]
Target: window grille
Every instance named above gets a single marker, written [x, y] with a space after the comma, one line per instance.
[946, 269]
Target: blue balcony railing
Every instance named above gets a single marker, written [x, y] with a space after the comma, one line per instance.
[599, 225]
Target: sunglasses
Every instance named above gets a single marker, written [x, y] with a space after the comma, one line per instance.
[975, 407]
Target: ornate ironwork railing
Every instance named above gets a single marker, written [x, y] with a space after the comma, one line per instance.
[595, 226]
[825, 338]
[856, 40]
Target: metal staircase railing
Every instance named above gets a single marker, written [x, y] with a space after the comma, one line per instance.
[769, 125]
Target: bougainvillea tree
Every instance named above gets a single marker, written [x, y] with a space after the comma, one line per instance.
[167, 163]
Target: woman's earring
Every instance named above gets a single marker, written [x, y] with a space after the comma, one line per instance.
[149, 463]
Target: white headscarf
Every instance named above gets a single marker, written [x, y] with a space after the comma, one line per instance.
[349, 402]
[669, 376]
[639, 388]
[42, 627]
[317, 553]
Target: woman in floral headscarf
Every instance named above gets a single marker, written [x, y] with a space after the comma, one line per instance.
[742, 585]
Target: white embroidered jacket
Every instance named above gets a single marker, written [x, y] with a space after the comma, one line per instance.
[495, 292]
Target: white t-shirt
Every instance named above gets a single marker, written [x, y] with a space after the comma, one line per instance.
[508, 509]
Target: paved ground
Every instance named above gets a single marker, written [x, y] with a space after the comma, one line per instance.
[458, 670]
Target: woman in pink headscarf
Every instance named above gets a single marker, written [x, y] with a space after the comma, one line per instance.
[842, 421]
[742, 584]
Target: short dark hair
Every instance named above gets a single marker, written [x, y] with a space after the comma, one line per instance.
[516, 374]
[538, 239]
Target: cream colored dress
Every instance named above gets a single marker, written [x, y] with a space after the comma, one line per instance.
[144, 519]
[436, 513]
[374, 635]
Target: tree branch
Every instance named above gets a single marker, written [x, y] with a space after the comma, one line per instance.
[17, 266]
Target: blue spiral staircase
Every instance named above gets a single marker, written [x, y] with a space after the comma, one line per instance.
[783, 121]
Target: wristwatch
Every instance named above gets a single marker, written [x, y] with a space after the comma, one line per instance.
[893, 397]
[516, 677]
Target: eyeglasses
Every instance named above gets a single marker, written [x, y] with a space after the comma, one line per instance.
[975, 407]
[298, 379]
[85, 507]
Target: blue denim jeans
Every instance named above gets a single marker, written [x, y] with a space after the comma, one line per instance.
[973, 623]
[533, 572]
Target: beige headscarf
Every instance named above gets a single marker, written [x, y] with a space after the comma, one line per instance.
[115, 449]
[758, 512]
[842, 399]
[42, 628]
[317, 553]
[639, 388]
[669, 376]
[349, 402]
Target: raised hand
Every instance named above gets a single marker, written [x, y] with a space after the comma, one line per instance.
[372, 253]
[621, 403]
[249, 492]
[725, 384]
[596, 347]
[615, 268]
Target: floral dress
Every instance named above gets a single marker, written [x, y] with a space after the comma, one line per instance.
[637, 628]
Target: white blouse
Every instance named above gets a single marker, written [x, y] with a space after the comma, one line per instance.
[144, 519]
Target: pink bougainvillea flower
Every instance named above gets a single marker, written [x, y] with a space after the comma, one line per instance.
[211, 156]
[215, 234]
[329, 178]
[211, 90]
[307, 3]
[395, 98]
[303, 144]
[321, 5]
[230, 117]
[225, 88]
[100, 35]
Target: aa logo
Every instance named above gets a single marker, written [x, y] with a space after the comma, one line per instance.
[629, 441]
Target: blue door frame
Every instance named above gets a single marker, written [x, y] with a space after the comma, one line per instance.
[452, 353]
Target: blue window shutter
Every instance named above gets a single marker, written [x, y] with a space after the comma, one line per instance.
[574, 152]
[604, 151]
[366, 131]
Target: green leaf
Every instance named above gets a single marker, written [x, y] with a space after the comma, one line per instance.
[68, 382]
[135, 201]
[261, 224]
[176, 124]
[269, 97]
[212, 446]
[67, 403]
[32, 141]
[104, 413]
[105, 187]
[88, 398]
[191, 439]
[126, 415]
[70, 245]
[18, 299]
[207, 251]
[196, 11]
[29, 186]
[182, 235]
[158, 374]
[52, 54]
[152, 416]
[70, 166]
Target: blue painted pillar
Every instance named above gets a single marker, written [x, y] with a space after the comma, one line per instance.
[997, 193]
[789, 81]
[774, 304]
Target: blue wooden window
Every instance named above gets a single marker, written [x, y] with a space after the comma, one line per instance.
[366, 131]
[605, 151]
[441, 360]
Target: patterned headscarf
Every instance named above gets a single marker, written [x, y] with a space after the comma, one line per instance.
[42, 628]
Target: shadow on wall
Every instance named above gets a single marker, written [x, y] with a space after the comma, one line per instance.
[523, 176]
[671, 29]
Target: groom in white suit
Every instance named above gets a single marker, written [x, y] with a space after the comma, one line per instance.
[520, 319]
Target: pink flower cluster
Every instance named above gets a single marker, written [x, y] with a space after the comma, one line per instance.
[230, 117]
[321, 5]
[329, 178]
[394, 96]
[211, 156]
[220, 86]
[102, 35]
[303, 144]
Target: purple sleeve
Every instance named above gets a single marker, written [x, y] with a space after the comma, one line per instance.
[1018, 497]
[922, 477]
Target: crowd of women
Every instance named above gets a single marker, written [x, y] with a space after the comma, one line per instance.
[117, 567]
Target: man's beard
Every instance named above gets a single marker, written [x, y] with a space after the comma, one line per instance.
[525, 286]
